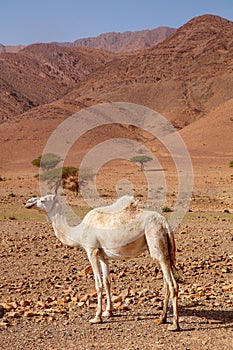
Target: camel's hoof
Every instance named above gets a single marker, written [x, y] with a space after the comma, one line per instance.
[174, 328]
[107, 313]
[96, 320]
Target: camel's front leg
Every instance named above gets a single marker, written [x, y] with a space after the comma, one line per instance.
[106, 281]
[93, 258]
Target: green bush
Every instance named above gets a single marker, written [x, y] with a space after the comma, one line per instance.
[68, 171]
[47, 161]
[12, 195]
[166, 210]
[53, 174]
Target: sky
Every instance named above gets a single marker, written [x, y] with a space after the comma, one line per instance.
[29, 21]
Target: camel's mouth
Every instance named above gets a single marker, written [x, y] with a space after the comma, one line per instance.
[30, 203]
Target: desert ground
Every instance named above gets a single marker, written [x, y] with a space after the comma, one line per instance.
[47, 289]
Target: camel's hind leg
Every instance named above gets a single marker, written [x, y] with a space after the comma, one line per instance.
[106, 282]
[163, 317]
[157, 241]
[171, 288]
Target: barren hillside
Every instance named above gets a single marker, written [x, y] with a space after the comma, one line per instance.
[10, 48]
[112, 41]
[212, 135]
[42, 73]
[184, 78]
[127, 41]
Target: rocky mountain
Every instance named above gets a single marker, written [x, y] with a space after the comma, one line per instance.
[211, 134]
[56, 68]
[183, 77]
[42, 73]
[188, 78]
[11, 48]
[126, 41]
[112, 41]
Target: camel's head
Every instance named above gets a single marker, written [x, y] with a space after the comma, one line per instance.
[45, 203]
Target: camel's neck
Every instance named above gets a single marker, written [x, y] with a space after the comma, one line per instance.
[64, 232]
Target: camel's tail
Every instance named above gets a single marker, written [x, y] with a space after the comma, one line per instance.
[172, 251]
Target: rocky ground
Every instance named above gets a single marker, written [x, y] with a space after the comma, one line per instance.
[48, 296]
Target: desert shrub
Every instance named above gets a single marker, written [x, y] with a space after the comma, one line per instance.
[53, 174]
[138, 195]
[68, 171]
[11, 195]
[231, 164]
[166, 209]
[47, 161]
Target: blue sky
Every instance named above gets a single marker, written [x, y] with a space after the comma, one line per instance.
[29, 21]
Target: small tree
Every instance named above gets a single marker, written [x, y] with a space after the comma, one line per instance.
[141, 160]
[47, 161]
[53, 174]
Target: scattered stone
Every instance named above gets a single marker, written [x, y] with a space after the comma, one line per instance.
[80, 303]
[30, 313]
[51, 319]
[124, 307]
[159, 276]
[24, 303]
[92, 306]
[93, 294]
[116, 298]
[124, 293]
[84, 298]
[4, 324]
[144, 292]
[121, 274]
[117, 305]
[225, 269]
[1, 312]
[86, 271]
[75, 299]
[40, 304]
[9, 306]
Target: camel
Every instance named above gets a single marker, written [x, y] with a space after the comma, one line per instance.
[121, 230]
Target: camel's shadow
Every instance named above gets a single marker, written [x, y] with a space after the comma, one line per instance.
[224, 317]
[210, 318]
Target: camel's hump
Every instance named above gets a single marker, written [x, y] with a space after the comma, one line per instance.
[114, 215]
[121, 203]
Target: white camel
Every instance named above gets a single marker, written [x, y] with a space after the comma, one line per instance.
[118, 231]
